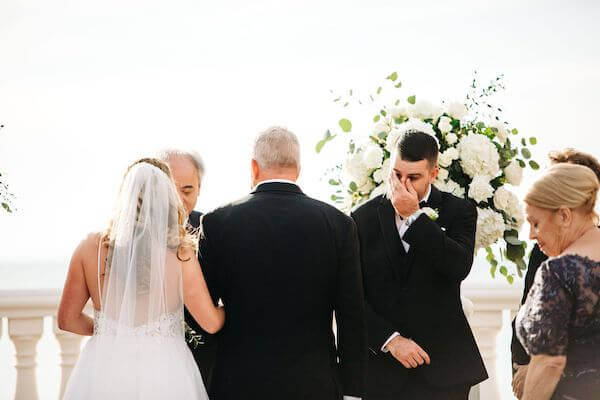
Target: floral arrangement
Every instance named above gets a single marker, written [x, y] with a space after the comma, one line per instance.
[481, 157]
[6, 197]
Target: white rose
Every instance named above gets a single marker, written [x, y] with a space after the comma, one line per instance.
[381, 126]
[392, 140]
[490, 227]
[445, 158]
[366, 187]
[501, 131]
[423, 109]
[380, 174]
[397, 112]
[456, 109]
[356, 169]
[513, 173]
[443, 174]
[431, 213]
[372, 156]
[445, 124]
[450, 187]
[453, 153]
[506, 201]
[480, 189]
[451, 138]
[478, 156]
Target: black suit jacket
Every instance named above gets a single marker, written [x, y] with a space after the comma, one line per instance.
[283, 263]
[205, 354]
[519, 355]
[418, 294]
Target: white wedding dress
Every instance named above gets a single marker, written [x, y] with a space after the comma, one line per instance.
[138, 349]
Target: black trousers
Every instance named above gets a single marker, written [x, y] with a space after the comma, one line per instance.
[416, 388]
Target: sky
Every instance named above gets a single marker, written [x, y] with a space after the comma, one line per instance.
[86, 87]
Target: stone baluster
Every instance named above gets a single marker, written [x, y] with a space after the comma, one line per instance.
[25, 333]
[70, 345]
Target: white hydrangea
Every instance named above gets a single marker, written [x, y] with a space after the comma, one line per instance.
[451, 138]
[446, 157]
[381, 173]
[392, 140]
[456, 109]
[423, 109]
[478, 156]
[505, 200]
[372, 155]
[501, 131]
[490, 227]
[480, 189]
[381, 126]
[513, 173]
[397, 112]
[445, 124]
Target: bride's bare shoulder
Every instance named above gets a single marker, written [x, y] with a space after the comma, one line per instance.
[89, 244]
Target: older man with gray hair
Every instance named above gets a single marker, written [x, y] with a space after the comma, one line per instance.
[187, 169]
[283, 263]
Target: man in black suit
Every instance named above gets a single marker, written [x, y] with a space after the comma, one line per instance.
[187, 170]
[421, 345]
[283, 264]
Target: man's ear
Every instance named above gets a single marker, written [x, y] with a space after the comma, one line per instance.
[434, 173]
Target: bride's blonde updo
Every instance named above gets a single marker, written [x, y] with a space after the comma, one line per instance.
[566, 185]
[183, 238]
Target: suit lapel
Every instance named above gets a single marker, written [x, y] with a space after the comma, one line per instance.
[393, 244]
[434, 201]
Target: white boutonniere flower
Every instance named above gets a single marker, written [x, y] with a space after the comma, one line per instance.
[431, 213]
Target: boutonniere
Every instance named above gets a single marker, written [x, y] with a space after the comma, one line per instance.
[431, 213]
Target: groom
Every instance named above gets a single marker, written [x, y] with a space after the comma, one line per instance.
[283, 263]
[421, 345]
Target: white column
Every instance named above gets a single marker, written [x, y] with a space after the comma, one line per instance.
[486, 325]
[70, 345]
[25, 333]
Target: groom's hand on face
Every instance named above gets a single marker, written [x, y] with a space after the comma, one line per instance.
[409, 353]
[404, 196]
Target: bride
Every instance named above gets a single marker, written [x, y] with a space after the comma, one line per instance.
[139, 274]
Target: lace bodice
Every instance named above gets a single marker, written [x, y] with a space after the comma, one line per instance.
[168, 325]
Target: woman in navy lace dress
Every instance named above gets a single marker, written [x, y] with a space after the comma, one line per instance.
[559, 324]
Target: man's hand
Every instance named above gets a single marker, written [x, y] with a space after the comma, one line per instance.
[410, 354]
[518, 383]
[404, 197]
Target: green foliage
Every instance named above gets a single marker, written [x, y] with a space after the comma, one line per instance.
[345, 124]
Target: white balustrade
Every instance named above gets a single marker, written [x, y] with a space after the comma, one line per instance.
[25, 311]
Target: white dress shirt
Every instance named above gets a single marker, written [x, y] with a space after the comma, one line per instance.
[402, 226]
[294, 183]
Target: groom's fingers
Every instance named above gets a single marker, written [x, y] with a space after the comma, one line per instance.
[410, 188]
[425, 356]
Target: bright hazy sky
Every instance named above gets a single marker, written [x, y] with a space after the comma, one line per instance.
[88, 86]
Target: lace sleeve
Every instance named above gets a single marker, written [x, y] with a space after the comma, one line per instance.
[543, 321]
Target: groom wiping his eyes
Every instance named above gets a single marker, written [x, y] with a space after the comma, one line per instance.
[416, 246]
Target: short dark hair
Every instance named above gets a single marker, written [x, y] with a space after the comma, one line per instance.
[416, 146]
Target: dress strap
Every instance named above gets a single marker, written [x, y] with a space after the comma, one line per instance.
[98, 274]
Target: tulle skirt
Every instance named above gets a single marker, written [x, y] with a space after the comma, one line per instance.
[134, 368]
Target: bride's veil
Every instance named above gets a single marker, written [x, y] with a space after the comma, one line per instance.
[142, 285]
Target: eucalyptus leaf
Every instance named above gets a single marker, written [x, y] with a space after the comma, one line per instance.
[345, 124]
[526, 153]
[412, 99]
[534, 165]
[393, 76]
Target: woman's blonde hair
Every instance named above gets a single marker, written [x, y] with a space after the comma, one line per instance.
[565, 185]
[183, 238]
